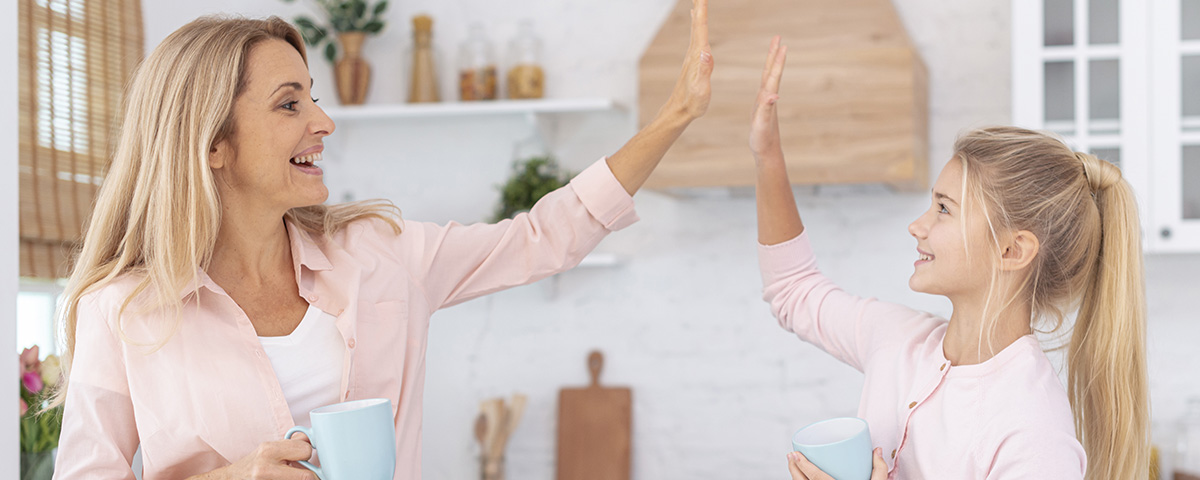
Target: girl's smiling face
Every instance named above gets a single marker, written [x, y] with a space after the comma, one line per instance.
[945, 264]
[278, 129]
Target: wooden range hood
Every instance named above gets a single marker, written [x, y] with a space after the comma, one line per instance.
[853, 102]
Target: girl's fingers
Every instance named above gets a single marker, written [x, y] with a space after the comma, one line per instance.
[810, 471]
[772, 83]
[794, 467]
[879, 468]
[770, 58]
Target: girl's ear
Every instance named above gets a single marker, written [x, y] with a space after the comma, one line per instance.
[1019, 252]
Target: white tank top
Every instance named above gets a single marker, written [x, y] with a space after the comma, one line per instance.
[308, 363]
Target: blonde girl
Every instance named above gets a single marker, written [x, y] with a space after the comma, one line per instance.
[210, 257]
[1021, 233]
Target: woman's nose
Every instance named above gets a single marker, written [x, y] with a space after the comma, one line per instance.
[322, 125]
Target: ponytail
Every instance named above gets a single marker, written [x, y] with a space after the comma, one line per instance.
[1107, 381]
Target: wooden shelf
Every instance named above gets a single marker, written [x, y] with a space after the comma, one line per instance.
[489, 107]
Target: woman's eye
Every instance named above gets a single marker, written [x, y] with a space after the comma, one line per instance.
[290, 105]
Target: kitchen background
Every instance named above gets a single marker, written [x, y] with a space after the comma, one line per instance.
[718, 387]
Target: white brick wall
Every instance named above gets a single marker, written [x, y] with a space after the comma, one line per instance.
[718, 386]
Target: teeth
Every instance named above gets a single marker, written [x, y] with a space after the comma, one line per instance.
[926, 257]
[307, 159]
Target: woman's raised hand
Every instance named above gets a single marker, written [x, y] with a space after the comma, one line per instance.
[764, 126]
[694, 87]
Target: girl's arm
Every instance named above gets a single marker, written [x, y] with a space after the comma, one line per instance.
[778, 219]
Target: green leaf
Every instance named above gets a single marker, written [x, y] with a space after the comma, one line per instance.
[331, 52]
[360, 9]
[374, 27]
[379, 8]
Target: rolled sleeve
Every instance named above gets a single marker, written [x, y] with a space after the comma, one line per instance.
[604, 197]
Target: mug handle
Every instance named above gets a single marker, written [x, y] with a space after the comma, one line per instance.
[307, 432]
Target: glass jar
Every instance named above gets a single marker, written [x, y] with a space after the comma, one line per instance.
[525, 78]
[423, 87]
[1187, 444]
[476, 67]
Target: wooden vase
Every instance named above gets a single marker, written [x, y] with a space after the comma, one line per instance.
[352, 73]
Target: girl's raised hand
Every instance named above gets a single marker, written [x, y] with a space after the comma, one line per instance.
[802, 469]
[694, 87]
[764, 125]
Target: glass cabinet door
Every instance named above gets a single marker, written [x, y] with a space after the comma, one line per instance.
[1176, 74]
[1079, 70]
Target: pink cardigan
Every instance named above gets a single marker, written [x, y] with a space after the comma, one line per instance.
[1005, 418]
[209, 396]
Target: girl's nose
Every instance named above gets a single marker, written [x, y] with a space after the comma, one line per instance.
[917, 228]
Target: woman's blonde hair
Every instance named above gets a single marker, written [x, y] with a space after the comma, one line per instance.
[1085, 217]
[157, 214]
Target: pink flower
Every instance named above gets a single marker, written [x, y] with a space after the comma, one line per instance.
[29, 360]
[32, 381]
[24, 407]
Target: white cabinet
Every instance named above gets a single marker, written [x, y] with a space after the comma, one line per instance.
[1120, 79]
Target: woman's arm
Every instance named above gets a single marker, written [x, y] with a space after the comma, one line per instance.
[635, 161]
[778, 219]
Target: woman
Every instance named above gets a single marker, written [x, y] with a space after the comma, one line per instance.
[209, 242]
[1020, 229]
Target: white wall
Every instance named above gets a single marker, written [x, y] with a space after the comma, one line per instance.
[718, 387]
[8, 235]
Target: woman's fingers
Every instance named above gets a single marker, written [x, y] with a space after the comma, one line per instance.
[879, 468]
[794, 468]
[699, 39]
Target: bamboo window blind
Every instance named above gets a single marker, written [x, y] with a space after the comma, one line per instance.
[75, 59]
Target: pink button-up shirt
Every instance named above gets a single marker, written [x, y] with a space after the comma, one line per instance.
[1005, 418]
[209, 396]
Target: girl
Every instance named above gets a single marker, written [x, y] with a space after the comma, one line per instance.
[1020, 230]
[210, 243]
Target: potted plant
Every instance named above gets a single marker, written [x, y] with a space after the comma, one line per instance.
[39, 430]
[351, 21]
[531, 180]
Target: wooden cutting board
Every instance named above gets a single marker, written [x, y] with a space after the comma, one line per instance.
[594, 426]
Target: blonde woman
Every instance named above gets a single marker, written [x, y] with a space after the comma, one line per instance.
[209, 244]
[1020, 230]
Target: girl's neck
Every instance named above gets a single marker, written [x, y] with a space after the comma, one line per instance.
[967, 343]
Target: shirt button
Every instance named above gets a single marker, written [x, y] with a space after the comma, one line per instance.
[913, 404]
[258, 353]
[350, 343]
[315, 297]
[893, 454]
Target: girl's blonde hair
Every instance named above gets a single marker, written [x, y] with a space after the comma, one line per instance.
[1090, 259]
[157, 214]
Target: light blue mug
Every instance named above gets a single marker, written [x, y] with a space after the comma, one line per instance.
[840, 447]
[355, 440]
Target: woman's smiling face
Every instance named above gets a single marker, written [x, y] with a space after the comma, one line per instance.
[277, 135]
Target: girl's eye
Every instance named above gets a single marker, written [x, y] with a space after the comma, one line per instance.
[942, 208]
[290, 105]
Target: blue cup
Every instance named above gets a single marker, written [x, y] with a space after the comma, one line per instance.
[355, 440]
[840, 447]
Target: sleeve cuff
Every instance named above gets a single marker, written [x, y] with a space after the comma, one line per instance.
[780, 259]
[604, 197]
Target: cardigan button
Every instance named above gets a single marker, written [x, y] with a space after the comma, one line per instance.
[943, 367]
[350, 343]
[893, 454]
[911, 405]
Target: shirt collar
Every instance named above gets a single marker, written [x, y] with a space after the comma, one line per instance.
[305, 252]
